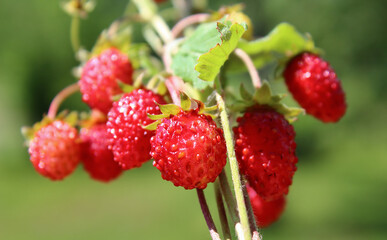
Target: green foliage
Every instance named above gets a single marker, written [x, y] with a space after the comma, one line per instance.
[209, 64]
[282, 43]
[203, 53]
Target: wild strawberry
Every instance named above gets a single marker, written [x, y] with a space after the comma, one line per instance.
[97, 158]
[98, 83]
[189, 149]
[315, 87]
[266, 212]
[54, 150]
[265, 150]
[127, 139]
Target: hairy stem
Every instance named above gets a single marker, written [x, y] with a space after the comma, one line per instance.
[244, 230]
[60, 97]
[253, 223]
[222, 211]
[250, 67]
[228, 197]
[187, 21]
[207, 215]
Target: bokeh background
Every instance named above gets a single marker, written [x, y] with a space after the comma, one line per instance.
[339, 190]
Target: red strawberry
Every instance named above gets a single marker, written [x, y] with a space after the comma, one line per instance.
[97, 158]
[189, 149]
[315, 86]
[127, 139]
[54, 150]
[98, 83]
[265, 212]
[265, 150]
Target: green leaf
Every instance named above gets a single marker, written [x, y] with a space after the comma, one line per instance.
[209, 64]
[282, 43]
[205, 37]
[201, 56]
[282, 39]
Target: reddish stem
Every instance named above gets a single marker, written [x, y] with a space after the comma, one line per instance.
[207, 215]
[187, 21]
[250, 67]
[60, 97]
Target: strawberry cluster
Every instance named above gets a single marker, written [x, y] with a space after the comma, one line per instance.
[131, 120]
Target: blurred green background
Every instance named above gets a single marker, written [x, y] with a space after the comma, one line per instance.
[339, 190]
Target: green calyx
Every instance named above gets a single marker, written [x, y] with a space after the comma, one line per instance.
[265, 96]
[29, 132]
[187, 104]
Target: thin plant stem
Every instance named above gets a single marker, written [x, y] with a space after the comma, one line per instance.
[253, 223]
[74, 33]
[161, 28]
[228, 197]
[243, 231]
[187, 21]
[60, 97]
[207, 215]
[222, 211]
[250, 67]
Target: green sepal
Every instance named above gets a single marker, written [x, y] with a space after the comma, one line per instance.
[157, 117]
[126, 88]
[29, 132]
[264, 96]
[185, 101]
[244, 93]
[169, 109]
[120, 39]
[152, 126]
[78, 8]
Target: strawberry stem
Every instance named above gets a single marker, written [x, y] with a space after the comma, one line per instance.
[253, 223]
[243, 231]
[228, 197]
[250, 67]
[74, 33]
[221, 210]
[187, 21]
[60, 97]
[207, 215]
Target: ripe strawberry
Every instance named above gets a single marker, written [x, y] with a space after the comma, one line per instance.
[315, 86]
[265, 150]
[127, 139]
[54, 150]
[265, 212]
[189, 149]
[97, 158]
[98, 83]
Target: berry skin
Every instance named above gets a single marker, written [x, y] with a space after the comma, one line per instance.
[265, 212]
[54, 150]
[98, 83]
[189, 149]
[315, 87]
[265, 149]
[127, 139]
[97, 158]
